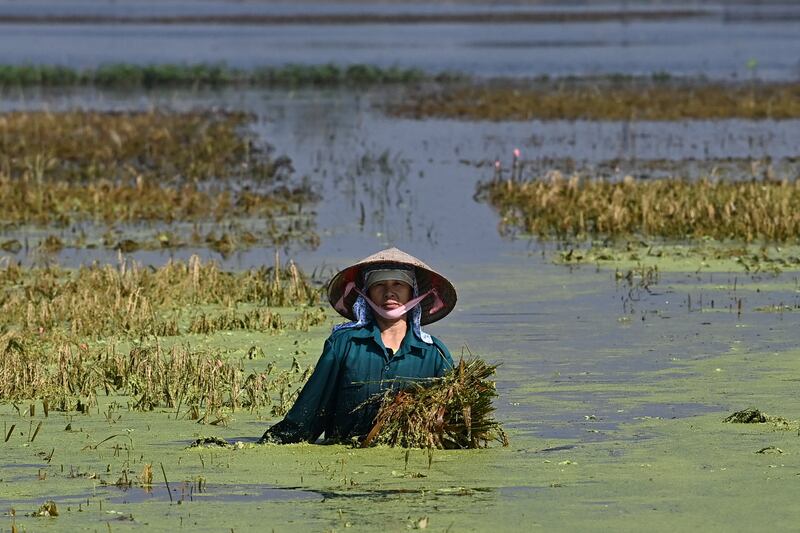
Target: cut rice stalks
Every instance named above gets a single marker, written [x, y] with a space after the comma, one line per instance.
[451, 412]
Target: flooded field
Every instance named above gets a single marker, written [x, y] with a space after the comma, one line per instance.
[620, 353]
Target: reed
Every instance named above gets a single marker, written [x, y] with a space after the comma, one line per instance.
[574, 207]
[454, 411]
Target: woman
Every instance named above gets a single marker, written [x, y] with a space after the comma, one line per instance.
[388, 297]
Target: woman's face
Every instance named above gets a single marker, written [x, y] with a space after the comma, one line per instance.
[390, 294]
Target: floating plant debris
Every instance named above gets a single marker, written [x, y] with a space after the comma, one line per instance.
[47, 509]
[610, 98]
[754, 416]
[574, 207]
[206, 442]
[454, 411]
[746, 416]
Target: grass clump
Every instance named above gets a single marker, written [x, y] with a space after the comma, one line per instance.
[95, 171]
[84, 146]
[107, 202]
[609, 99]
[454, 411]
[205, 385]
[134, 301]
[576, 207]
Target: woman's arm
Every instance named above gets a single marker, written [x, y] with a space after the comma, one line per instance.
[314, 408]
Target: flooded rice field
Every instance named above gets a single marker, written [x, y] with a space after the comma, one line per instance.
[620, 355]
[614, 378]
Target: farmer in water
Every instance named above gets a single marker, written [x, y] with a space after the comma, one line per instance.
[388, 297]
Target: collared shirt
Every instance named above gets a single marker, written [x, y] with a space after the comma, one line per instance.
[354, 369]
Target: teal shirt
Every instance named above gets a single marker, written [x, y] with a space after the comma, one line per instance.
[355, 367]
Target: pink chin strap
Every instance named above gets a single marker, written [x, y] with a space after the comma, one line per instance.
[395, 313]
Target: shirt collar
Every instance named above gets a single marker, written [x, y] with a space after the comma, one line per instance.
[410, 341]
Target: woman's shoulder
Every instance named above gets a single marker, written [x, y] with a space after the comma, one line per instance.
[346, 334]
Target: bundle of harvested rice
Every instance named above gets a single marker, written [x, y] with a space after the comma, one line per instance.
[453, 411]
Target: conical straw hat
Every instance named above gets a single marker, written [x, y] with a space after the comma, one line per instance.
[427, 279]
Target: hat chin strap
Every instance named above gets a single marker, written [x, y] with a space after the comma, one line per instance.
[395, 313]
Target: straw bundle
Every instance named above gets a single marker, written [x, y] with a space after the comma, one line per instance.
[454, 411]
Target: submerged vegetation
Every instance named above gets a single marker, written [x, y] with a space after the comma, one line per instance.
[454, 411]
[574, 207]
[212, 75]
[621, 98]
